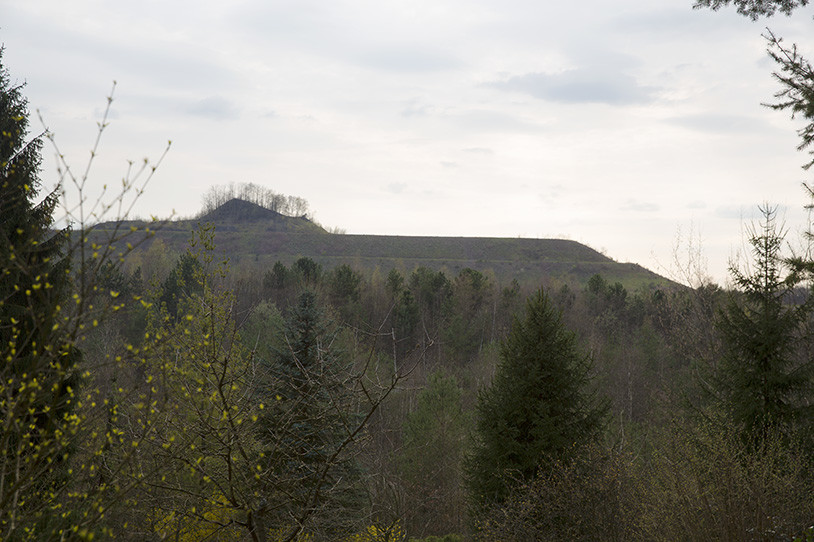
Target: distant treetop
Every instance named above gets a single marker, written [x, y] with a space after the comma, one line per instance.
[292, 206]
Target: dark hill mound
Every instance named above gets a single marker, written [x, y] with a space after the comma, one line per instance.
[235, 215]
[238, 211]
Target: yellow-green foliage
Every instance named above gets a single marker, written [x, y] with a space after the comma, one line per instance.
[705, 485]
[379, 533]
[204, 446]
[211, 522]
[65, 462]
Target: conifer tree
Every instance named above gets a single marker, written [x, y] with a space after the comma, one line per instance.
[754, 9]
[430, 458]
[538, 410]
[37, 375]
[182, 282]
[763, 380]
[307, 425]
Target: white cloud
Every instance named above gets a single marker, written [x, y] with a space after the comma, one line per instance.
[408, 58]
[214, 107]
[722, 124]
[640, 206]
[580, 86]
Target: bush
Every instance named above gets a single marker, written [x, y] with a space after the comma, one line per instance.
[445, 538]
[705, 485]
[592, 497]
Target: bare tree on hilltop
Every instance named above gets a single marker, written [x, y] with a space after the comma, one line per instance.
[216, 196]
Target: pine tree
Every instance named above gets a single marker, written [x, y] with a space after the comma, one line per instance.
[538, 410]
[796, 77]
[37, 375]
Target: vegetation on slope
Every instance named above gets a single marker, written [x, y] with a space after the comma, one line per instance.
[308, 401]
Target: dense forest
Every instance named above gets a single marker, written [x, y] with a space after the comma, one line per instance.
[148, 393]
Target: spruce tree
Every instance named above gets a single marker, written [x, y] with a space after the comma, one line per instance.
[538, 410]
[37, 375]
[430, 458]
[306, 423]
[183, 281]
[763, 380]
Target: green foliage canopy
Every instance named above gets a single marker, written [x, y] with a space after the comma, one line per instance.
[764, 378]
[539, 408]
[38, 373]
[309, 419]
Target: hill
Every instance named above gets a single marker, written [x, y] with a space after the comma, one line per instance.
[237, 212]
[251, 235]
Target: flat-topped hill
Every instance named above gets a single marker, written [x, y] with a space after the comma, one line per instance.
[524, 259]
[252, 235]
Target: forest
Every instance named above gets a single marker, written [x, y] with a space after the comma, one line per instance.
[148, 393]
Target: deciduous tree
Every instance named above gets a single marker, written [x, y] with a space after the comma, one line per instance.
[59, 475]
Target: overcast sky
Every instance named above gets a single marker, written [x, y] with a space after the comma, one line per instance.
[619, 124]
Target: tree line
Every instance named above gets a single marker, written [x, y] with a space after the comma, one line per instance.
[174, 397]
[215, 196]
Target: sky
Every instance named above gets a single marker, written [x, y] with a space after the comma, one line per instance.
[635, 127]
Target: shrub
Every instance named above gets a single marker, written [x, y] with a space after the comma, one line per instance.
[705, 485]
[592, 497]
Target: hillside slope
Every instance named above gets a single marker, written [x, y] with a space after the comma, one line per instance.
[252, 235]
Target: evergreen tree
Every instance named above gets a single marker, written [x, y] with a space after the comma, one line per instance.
[434, 435]
[279, 285]
[538, 410]
[754, 9]
[395, 283]
[344, 292]
[472, 314]
[183, 281]
[764, 377]
[405, 322]
[432, 292]
[37, 375]
[796, 78]
[308, 271]
[307, 422]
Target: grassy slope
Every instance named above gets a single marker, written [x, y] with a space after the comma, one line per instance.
[524, 259]
[257, 241]
[528, 260]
